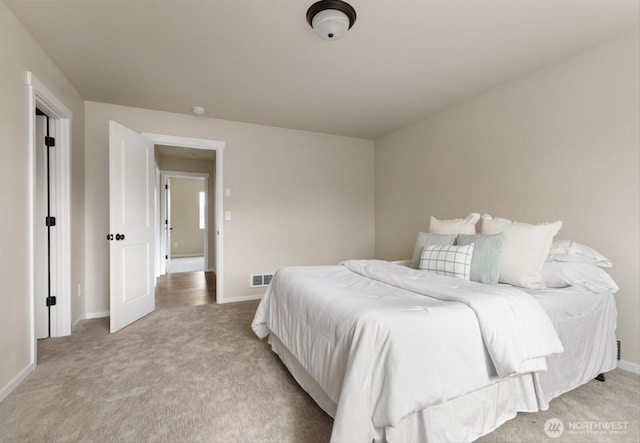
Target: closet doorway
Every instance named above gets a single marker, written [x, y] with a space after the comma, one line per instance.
[50, 208]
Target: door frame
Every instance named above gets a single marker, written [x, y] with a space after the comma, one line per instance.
[39, 96]
[218, 146]
[165, 249]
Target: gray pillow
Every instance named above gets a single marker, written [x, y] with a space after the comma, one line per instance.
[485, 263]
[426, 239]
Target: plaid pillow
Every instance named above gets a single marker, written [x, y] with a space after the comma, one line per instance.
[452, 261]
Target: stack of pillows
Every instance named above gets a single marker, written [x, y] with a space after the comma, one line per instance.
[519, 254]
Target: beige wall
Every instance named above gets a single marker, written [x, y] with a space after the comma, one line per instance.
[206, 166]
[561, 143]
[297, 197]
[187, 239]
[19, 53]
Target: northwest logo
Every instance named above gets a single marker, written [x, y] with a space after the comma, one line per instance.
[553, 428]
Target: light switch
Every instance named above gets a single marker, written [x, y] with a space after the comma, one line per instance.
[227, 215]
[227, 192]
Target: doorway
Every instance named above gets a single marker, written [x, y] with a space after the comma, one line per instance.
[55, 279]
[185, 220]
[188, 244]
[193, 149]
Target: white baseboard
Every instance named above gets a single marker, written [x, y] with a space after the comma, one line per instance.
[628, 366]
[91, 315]
[241, 298]
[15, 382]
[77, 323]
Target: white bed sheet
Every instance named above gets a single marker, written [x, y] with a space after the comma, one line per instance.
[452, 416]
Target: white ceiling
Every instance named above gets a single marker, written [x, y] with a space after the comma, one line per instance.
[259, 61]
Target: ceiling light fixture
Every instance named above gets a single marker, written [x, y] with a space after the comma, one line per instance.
[331, 19]
[198, 110]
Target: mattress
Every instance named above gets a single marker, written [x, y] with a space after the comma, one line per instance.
[585, 323]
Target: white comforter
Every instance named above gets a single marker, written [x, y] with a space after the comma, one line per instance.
[384, 341]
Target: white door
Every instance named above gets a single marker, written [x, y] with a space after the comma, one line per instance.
[131, 224]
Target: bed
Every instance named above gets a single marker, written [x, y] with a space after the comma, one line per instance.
[398, 354]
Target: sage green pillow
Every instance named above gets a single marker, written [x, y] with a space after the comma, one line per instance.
[426, 239]
[485, 263]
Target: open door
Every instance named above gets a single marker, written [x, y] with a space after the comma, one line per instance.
[131, 224]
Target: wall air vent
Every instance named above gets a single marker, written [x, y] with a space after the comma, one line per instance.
[260, 280]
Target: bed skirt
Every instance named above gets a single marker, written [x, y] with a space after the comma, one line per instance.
[454, 420]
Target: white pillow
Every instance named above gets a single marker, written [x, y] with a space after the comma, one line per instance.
[524, 250]
[574, 252]
[452, 261]
[465, 225]
[591, 277]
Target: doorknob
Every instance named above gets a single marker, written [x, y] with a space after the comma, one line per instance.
[109, 236]
[119, 236]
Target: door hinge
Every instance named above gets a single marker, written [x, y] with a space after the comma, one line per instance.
[50, 221]
[51, 301]
[166, 186]
[49, 141]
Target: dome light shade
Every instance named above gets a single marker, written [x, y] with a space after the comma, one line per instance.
[331, 19]
[330, 24]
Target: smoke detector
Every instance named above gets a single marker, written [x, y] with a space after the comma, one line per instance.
[198, 110]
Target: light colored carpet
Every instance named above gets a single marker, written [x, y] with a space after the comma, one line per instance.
[184, 374]
[594, 412]
[185, 264]
[200, 374]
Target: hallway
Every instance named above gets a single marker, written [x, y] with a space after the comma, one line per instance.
[185, 289]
